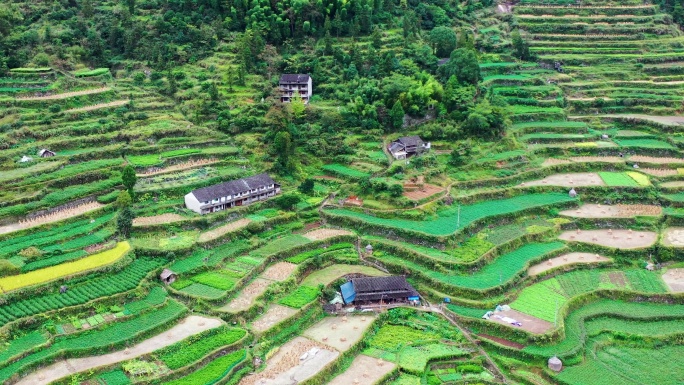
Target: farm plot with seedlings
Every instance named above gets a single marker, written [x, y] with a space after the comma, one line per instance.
[614, 211]
[565, 260]
[568, 180]
[618, 239]
[364, 370]
[673, 236]
[297, 360]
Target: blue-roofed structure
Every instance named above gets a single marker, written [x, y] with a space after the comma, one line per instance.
[348, 292]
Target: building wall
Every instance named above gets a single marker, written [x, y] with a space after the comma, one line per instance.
[192, 203]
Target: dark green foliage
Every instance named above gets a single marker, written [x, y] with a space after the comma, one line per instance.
[307, 187]
[128, 179]
[397, 116]
[287, 201]
[124, 222]
[443, 41]
[464, 65]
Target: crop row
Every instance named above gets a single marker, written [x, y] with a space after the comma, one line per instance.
[192, 349]
[125, 280]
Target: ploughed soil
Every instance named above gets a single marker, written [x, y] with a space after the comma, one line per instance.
[340, 333]
[157, 219]
[615, 211]
[618, 239]
[502, 341]
[529, 323]
[674, 279]
[566, 259]
[568, 180]
[426, 191]
[364, 370]
[323, 233]
[274, 315]
[673, 236]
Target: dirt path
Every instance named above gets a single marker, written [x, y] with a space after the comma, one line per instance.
[68, 94]
[565, 259]
[115, 103]
[188, 327]
[49, 218]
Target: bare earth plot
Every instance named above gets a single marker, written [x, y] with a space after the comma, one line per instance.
[655, 160]
[529, 323]
[188, 327]
[363, 370]
[427, 191]
[179, 167]
[68, 94]
[157, 219]
[274, 315]
[294, 362]
[115, 103]
[673, 236]
[566, 259]
[615, 211]
[619, 239]
[568, 180]
[678, 183]
[667, 120]
[597, 159]
[674, 279]
[331, 273]
[245, 298]
[223, 230]
[659, 171]
[49, 218]
[323, 233]
[340, 333]
[554, 162]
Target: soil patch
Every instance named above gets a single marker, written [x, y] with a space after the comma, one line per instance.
[223, 230]
[185, 328]
[655, 160]
[115, 103]
[294, 362]
[247, 296]
[279, 271]
[274, 315]
[179, 167]
[363, 370]
[675, 184]
[618, 239]
[331, 273]
[321, 234]
[53, 217]
[615, 211]
[502, 341]
[157, 219]
[553, 162]
[426, 191]
[674, 279]
[340, 333]
[566, 259]
[529, 323]
[618, 279]
[568, 180]
[597, 159]
[68, 94]
[673, 236]
[659, 171]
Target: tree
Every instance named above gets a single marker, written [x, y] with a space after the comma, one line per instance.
[307, 187]
[128, 179]
[460, 155]
[297, 106]
[123, 200]
[287, 201]
[464, 65]
[328, 44]
[487, 120]
[397, 115]
[443, 41]
[396, 190]
[284, 149]
[124, 221]
[376, 38]
[520, 46]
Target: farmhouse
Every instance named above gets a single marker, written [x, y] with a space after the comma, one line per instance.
[45, 153]
[239, 192]
[364, 291]
[407, 146]
[291, 84]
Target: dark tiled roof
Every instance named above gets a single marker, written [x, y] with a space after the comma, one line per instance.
[442, 62]
[376, 288]
[294, 78]
[414, 140]
[232, 187]
[395, 146]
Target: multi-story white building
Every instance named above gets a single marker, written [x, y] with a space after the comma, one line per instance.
[291, 84]
[239, 192]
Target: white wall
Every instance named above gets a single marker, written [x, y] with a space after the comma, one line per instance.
[192, 203]
[309, 87]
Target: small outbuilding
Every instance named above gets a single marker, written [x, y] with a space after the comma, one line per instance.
[369, 249]
[572, 193]
[45, 153]
[25, 159]
[555, 364]
[168, 277]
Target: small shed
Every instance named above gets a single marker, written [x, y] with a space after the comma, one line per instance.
[45, 153]
[168, 277]
[369, 249]
[25, 159]
[555, 364]
[572, 193]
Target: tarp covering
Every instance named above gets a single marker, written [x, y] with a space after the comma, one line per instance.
[348, 292]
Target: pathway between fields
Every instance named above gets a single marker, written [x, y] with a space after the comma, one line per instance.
[188, 327]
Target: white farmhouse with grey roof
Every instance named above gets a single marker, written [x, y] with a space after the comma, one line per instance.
[407, 146]
[239, 192]
[291, 84]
